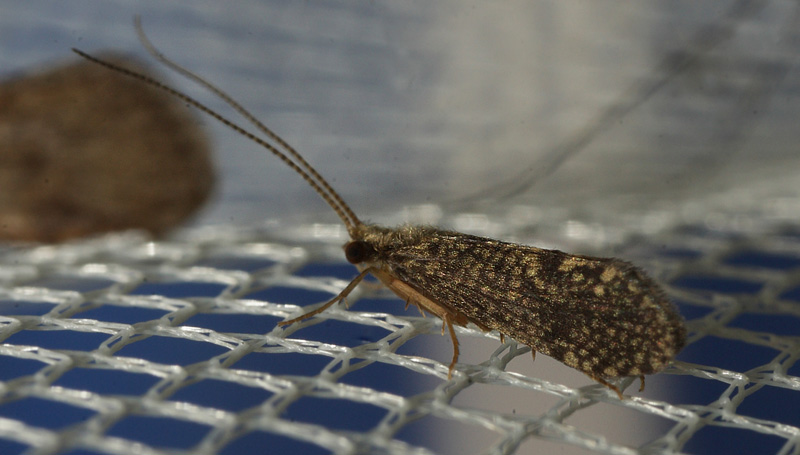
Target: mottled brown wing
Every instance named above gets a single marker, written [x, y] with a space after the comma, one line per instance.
[603, 316]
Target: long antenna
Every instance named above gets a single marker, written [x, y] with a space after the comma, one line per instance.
[137, 23]
[304, 169]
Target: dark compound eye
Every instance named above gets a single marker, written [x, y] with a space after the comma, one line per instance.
[358, 251]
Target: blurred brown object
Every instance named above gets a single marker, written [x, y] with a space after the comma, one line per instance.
[85, 150]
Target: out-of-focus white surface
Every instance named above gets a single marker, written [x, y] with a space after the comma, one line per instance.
[406, 103]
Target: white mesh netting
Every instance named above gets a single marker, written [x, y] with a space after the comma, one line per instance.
[124, 345]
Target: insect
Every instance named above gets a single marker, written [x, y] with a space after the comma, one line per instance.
[62, 178]
[601, 316]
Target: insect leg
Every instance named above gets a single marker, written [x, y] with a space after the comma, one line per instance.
[408, 302]
[448, 316]
[609, 385]
[345, 292]
[446, 322]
